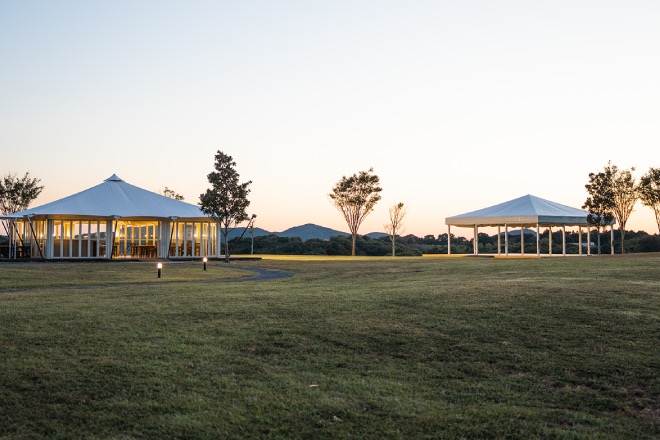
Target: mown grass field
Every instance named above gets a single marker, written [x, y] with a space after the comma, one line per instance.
[345, 348]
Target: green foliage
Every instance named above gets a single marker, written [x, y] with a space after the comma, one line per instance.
[649, 191]
[411, 245]
[16, 193]
[600, 202]
[613, 191]
[355, 197]
[226, 201]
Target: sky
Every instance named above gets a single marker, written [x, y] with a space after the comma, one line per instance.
[456, 105]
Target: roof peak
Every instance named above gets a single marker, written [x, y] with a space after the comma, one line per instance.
[113, 178]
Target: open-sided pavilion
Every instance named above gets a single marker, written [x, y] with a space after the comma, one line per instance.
[111, 220]
[524, 212]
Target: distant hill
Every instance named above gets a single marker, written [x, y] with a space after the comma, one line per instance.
[516, 232]
[376, 234]
[305, 232]
[308, 231]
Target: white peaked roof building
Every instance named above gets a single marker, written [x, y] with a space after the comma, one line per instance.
[524, 212]
[115, 198]
[111, 220]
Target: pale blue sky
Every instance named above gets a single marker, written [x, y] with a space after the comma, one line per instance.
[456, 105]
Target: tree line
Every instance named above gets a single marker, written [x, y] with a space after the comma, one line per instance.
[411, 245]
[613, 193]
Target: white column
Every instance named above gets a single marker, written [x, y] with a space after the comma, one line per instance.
[98, 238]
[499, 240]
[612, 239]
[549, 240]
[476, 244]
[50, 245]
[185, 239]
[163, 239]
[563, 239]
[218, 240]
[70, 238]
[89, 239]
[522, 240]
[448, 239]
[580, 240]
[79, 238]
[506, 239]
[538, 240]
[588, 241]
[109, 239]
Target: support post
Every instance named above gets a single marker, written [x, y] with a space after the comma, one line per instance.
[588, 241]
[50, 245]
[506, 239]
[522, 240]
[476, 243]
[109, 239]
[563, 240]
[499, 240]
[538, 240]
[550, 240]
[448, 239]
[612, 239]
[580, 240]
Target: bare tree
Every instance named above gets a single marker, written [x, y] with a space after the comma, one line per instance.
[395, 226]
[649, 192]
[355, 197]
[172, 194]
[625, 196]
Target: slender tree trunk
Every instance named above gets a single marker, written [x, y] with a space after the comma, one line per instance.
[623, 235]
[353, 239]
[394, 246]
[598, 232]
[225, 240]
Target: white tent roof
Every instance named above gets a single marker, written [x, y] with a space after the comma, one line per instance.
[524, 211]
[114, 198]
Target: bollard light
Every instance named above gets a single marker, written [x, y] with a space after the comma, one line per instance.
[160, 268]
[204, 260]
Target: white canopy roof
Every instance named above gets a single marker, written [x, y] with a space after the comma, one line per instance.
[115, 198]
[524, 211]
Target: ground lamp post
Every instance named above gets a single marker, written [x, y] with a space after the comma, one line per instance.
[204, 260]
[254, 216]
[160, 268]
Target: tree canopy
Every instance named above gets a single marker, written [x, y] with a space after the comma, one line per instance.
[355, 197]
[600, 202]
[16, 193]
[649, 191]
[614, 190]
[227, 199]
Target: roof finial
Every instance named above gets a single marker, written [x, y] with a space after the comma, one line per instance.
[113, 178]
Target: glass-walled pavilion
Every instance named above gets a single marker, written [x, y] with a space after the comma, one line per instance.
[111, 220]
[109, 239]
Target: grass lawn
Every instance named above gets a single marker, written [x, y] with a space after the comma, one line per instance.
[346, 348]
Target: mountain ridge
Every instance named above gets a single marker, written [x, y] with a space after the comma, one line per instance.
[305, 232]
